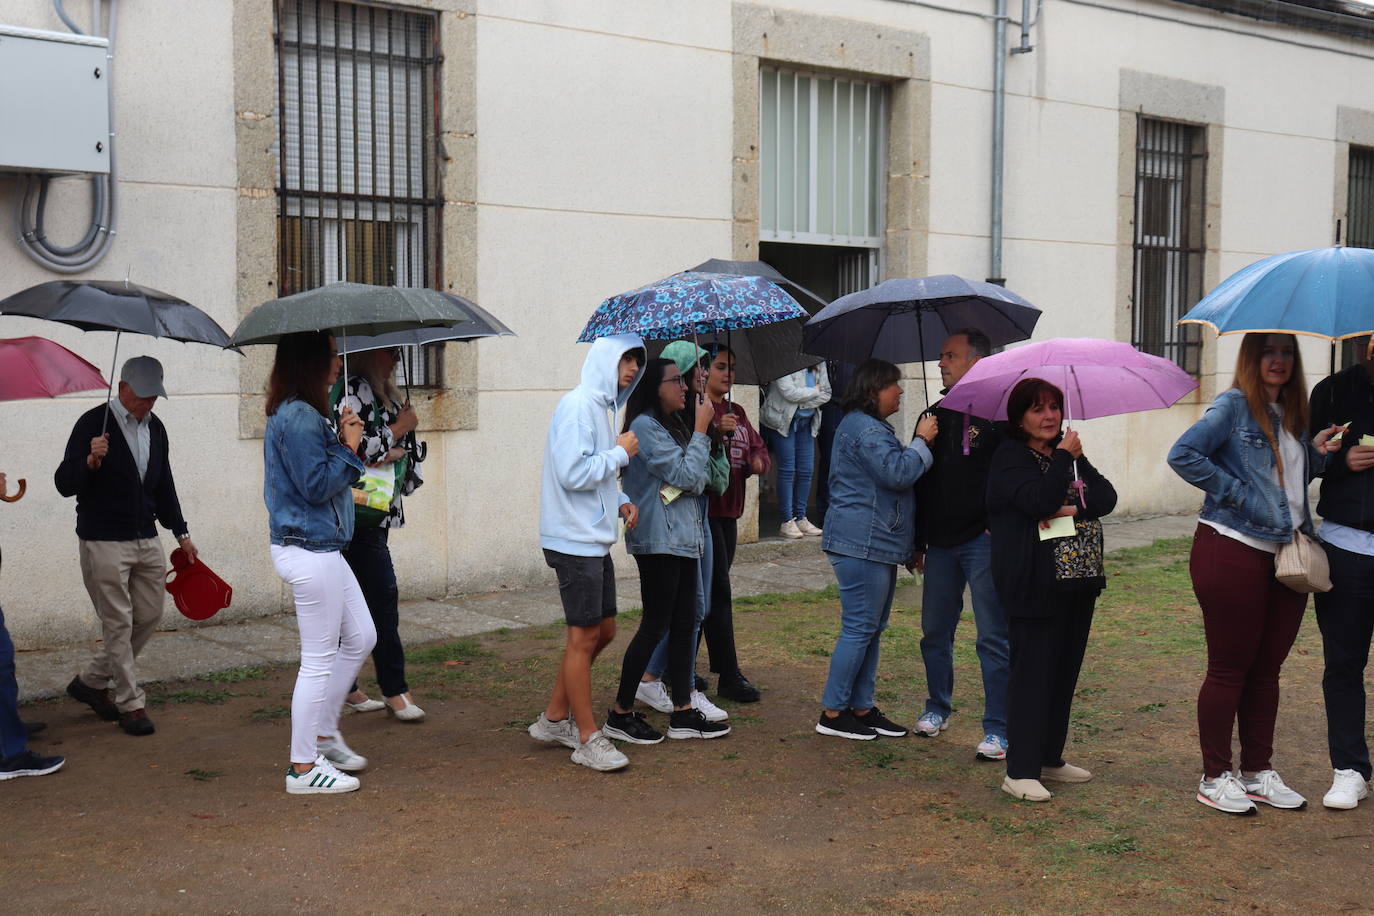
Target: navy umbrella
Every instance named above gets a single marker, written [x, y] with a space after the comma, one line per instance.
[690, 303]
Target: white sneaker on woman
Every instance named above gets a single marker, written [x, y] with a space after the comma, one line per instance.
[789, 529]
[1225, 793]
[1266, 786]
[654, 694]
[711, 711]
[340, 755]
[323, 778]
[1347, 788]
[805, 527]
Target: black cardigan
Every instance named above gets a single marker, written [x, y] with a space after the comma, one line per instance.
[1018, 497]
[945, 515]
[1347, 497]
[112, 504]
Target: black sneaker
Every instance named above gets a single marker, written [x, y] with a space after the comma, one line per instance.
[29, 764]
[737, 688]
[631, 727]
[845, 725]
[98, 700]
[880, 723]
[692, 723]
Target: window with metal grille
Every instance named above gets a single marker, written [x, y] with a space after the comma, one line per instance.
[1169, 243]
[1359, 228]
[358, 187]
[822, 158]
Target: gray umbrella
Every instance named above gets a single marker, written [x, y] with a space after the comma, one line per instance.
[481, 324]
[345, 307]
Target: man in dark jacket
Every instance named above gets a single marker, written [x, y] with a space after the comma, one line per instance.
[119, 472]
[1346, 614]
[954, 550]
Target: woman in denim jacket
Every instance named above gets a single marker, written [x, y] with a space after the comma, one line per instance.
[1249, 455]
[307, 482]
[870, 528]
[665, 480]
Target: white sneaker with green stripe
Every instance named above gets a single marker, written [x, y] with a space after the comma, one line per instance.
[324, 778]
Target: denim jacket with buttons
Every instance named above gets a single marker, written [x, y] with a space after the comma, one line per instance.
[1227, 456]
[675, 528]
[872, 512]
[307, 480]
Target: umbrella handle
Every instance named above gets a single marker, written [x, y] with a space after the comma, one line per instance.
[18, 494]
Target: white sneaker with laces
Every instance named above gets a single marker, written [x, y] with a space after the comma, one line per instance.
[654, 694]
[1347, 788]
[341, 755]
[711, 711]
[993, 747]
[789, 529]
[367, 705]
[563, 732]
[805, 527]
[600, 754]
[1266, 786]
[322, 779]
[1225, 793]
[931, 724]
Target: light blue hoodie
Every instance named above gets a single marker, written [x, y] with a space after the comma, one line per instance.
[579, 500]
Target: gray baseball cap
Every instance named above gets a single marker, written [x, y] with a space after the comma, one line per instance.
[144, 375]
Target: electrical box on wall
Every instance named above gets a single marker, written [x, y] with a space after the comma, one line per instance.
[54, 104]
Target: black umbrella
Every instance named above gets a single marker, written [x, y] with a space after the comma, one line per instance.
[762, 354]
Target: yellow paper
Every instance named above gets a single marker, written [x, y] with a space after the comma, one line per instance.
[1061, 527]
[668, 493]
[1367, 440]
[1340, 433]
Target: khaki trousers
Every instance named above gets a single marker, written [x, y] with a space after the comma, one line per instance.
[125, 580]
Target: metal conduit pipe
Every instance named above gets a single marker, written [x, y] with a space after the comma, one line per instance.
[999, 105]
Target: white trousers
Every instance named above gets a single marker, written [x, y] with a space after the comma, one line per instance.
[336, 635]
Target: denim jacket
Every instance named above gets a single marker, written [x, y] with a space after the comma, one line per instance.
[1227, 456]
[677, 527]
[872, 513]
[307, 480]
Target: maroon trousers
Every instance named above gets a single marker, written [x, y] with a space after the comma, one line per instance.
[1251, 621]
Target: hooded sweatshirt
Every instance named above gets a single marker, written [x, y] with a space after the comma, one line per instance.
[579, 500]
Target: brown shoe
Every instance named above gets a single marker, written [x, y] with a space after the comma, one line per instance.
[99, 700]
[136, 722]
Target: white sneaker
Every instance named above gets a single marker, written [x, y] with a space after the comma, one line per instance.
[654, 694]
[789, 529]
[600, 754]
[322, 779]
[805, 527]
[711, 711]
[564, 731]
[1267, 787]
[1225, 793]
[1347, 788]
[341, 755]
[367, 705]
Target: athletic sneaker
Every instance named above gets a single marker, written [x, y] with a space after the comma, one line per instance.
[1347, 788]
[931, 724]
[692, 723]
[790, 530]
[994, 747]
[880, 723]
[805, 527]
[1267, 787]
[324, 779]
[341, 755]
[600, 754]
[631, 727]
[711, 711]
[845, 725]
[564, 731]
[31, 764]
[1225, 793]
[654, 694]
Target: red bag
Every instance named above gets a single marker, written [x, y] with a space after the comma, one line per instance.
[198, 593]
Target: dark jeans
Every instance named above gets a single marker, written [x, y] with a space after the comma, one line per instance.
[831, 415]
[13, 739]
[1346, 617]
[1250, 620]
[1046, 656]
[719, 626]
[370, 559]
[668, 591]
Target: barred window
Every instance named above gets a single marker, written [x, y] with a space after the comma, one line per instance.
[1169, 241]
[358, 187]
[1359, 230]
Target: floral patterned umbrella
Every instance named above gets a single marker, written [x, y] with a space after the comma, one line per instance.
[692, 303]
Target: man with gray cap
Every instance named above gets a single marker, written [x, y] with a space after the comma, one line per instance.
[116, 465]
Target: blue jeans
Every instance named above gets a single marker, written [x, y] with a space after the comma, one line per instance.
[948, 570]
[13, 739]
[795, 454]
[658, 662]
[866, 590]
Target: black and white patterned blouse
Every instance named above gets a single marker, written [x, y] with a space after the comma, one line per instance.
[377, 415]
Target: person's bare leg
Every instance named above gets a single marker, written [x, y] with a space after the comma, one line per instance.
[572, 690]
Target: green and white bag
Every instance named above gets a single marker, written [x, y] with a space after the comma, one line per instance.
[375, 491]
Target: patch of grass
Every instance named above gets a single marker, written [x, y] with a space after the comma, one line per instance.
[206, 697]
[236, 675]
[270, 713]
[879, 756]
[438, 653]
[1115, 845]
[1151, 707]
[203, 775]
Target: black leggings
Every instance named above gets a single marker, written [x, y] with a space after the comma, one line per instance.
[719, 625]
[668, 590]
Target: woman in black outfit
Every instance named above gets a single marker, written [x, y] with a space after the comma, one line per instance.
[1048, 587]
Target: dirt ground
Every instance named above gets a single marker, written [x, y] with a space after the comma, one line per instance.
[466, 813]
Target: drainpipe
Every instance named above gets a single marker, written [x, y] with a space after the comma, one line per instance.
[999, 104]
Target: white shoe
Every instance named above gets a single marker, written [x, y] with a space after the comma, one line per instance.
[805, 527]
[1347, 788]
[1026, 789]
[1225, 793]
[407, 713]
[341, 755]
[600, 754]
[1267, 787]
[322, 779]
[711, 711]
[368, 705]
[789, 529]
[1066, 773]
[563, 732]
[654, 694]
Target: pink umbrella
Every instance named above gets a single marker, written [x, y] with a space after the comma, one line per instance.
[34, 367]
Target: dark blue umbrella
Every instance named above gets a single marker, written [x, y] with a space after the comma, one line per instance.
[691, 304]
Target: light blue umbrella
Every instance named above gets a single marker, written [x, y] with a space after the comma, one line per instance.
[1323, 292]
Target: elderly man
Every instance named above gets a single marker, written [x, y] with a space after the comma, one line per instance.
[122, 481]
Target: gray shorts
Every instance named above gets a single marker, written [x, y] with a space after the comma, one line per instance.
[586, 585]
